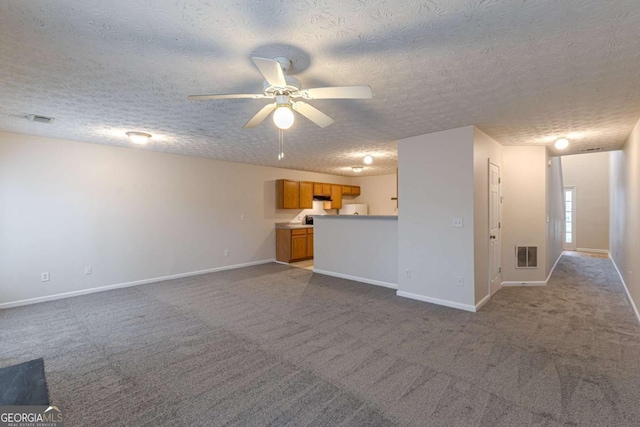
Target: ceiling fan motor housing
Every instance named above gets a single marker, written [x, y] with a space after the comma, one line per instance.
[293, 85]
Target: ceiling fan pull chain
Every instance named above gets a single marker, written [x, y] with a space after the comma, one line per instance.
[280, 144]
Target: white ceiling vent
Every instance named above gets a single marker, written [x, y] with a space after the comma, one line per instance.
[40, 119]
[526, 257]
[591, 150]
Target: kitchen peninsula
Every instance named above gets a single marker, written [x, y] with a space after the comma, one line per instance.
[360, 248]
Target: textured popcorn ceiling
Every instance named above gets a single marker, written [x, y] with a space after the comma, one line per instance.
[524, 71]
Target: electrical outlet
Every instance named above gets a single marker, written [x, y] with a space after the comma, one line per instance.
[242, 218]
[458, 223]
[460, 282]
[226, 252]
[88, 270]
[407, 274]
[44, 276]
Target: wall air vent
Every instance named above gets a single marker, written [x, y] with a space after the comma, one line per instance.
[526, 257]
[40, 119]
[591, 150]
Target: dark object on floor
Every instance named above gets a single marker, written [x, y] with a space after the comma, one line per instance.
[24, 384]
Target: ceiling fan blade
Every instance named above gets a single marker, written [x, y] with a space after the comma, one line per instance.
[338, 92]
[271, 70]
[260, 116]
[227, 96]
[313, 114]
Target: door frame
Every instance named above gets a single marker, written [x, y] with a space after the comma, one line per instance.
[573, 245]
[499, 232]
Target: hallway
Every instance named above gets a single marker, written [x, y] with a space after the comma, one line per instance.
[581, 330]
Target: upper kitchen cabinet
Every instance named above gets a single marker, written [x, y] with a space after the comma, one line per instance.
[299, 194]
[287, 194]
[306, 195]
[336, 197]
[350, 190]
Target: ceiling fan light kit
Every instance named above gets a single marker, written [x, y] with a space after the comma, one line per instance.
[283, 116]
[283, 89]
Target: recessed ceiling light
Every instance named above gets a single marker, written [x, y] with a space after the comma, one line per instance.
[139, 137]
[562, 143]
[368, 160]
[357, 169]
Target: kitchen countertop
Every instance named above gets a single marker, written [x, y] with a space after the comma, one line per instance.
[292, 225]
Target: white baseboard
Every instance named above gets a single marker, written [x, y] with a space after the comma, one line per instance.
[126, 285]
[482, 302]
[357, 279]
[594, 251]
[633, 304]
[535, 283]
[510, 284]
[446, 303]
[555, 264]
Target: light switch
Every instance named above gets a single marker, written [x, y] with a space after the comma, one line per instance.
[458, 223]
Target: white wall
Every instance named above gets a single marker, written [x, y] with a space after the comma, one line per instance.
[484, 149]
[435, 186]
[524, 209]
[130, 214]
[376, 191]
[361, 248]
[589, 173]
[555, 211]
[624, 231]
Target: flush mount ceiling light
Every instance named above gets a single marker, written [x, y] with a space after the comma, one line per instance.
[357, 169]
[368, 160]
[562, 143]
[139, 137]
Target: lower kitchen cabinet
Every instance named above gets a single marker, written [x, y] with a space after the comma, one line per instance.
[294, 244]
[310, 242]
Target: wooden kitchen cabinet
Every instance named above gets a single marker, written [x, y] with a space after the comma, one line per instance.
[336, 197]
[299, 194]
[306, 195]
[298, 244]
[294, 244]
[287, 194]
[310, 242]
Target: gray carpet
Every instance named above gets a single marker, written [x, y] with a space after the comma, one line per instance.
[274, 345]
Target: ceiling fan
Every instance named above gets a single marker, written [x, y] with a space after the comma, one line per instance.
[285, 90]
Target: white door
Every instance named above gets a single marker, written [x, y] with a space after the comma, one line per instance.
[569, 219]
[495, 264]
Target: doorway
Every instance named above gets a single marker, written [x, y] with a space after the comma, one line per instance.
[495, 258]
[569, 242]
